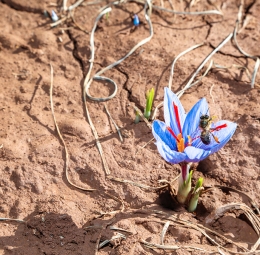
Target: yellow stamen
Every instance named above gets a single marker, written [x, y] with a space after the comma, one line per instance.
[189, 140]
[180, 144]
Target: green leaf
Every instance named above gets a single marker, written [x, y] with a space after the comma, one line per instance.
[149, 103]
[199, 183]
[195, 195]
[137, 117]
[184, 189]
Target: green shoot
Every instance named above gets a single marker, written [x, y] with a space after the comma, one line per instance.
[137, 117]
[195, 195]
[149, 103]
[184, 188]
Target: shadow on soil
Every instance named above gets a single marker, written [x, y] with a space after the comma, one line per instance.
[47, 234]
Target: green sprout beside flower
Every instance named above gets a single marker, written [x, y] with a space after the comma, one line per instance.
[149, 103]
[195, 194]
[137, 117]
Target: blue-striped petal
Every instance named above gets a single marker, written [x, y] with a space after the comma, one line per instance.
[161, 133]
[192, 120]
[169, 155]
[223, 135]
[195, 154]
[169, 115]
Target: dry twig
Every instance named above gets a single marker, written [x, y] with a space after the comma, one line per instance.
[62, 140]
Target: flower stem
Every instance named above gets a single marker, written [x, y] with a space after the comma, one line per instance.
[184, 183]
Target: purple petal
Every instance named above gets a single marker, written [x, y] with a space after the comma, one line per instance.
[161, 134]
[223, 134]
[169, 115]
[192, 120]
[169, 155]
[195, 154]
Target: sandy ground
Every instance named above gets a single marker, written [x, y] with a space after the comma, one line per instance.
[61, 219]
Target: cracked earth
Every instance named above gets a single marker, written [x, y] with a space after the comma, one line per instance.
[33, 185]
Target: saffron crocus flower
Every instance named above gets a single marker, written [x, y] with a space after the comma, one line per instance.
[178, 138]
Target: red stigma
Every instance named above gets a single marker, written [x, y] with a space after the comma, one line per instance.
[177, 116]
[219, 127]
[172, 133]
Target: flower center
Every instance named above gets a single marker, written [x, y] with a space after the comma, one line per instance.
[180, 145]
[178, 138]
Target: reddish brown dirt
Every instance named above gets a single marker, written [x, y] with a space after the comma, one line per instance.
[33, 186]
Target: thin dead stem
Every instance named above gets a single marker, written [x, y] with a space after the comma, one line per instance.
[189, 84]
[183, 223]
[164, 230]
[142, 116]
[116, 127]
[88, 80]
[142, 147]
[9, 219]
[62, 140]
[210, 92]
[252, 202]
[255, 72]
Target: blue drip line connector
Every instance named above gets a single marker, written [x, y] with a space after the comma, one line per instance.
[136, 20]
[54, 16]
